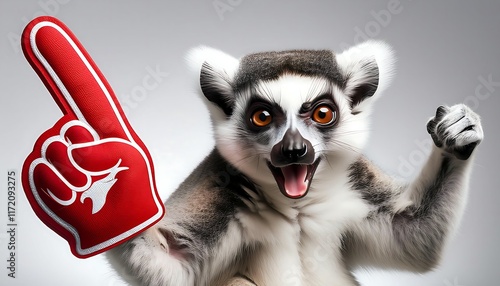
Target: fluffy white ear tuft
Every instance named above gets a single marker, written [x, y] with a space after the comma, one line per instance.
[215, 71]
[368, 69]
[221, 61]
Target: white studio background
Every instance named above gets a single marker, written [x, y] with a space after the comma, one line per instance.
[448, 52]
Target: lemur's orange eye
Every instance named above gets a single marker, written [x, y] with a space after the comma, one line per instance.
[323, 115]
[261, 118]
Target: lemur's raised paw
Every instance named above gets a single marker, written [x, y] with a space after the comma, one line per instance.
[456, 129]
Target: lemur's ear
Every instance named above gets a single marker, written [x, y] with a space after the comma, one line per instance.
[216, 72]
[367, 70]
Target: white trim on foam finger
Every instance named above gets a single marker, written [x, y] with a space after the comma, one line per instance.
[71, 229]
[60, 84]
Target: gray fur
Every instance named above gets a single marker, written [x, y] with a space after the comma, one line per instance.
[368, 181]
[270, 65]
[208, 199]
[420, 230]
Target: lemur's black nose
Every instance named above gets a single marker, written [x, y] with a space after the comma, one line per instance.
[292, 149]
[295, 154]
[293, 146]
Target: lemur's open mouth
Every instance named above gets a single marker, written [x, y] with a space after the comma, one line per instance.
[294, 180]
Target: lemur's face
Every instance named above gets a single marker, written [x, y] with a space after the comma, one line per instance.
[283, 117]
[284, 128]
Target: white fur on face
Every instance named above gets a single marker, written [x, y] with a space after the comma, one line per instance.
[289, 92]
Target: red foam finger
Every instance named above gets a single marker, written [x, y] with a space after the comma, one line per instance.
[117, 204]
[57, 154]
[89, 177]
[52, 190]
[78, 134]
[102, 159]
[46, 189]
[72, 77]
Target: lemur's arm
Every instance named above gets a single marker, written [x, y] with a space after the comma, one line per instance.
[410, 223]
[198, 242]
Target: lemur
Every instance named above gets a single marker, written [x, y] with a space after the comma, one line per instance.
[287, 197]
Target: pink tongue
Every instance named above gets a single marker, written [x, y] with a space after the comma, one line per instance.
[295, 176]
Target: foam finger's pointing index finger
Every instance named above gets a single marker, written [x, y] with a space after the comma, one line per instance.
[72, 77]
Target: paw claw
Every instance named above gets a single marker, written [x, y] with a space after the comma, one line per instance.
[441, 111]
[431, 125]
[464, 152]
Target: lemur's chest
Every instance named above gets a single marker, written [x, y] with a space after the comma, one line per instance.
[300, 244]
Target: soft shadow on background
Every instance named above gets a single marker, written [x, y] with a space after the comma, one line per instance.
[448, 52]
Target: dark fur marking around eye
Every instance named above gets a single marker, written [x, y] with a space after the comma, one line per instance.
[308, 106]
[270, 65]
[259, 133]
[307, 109]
